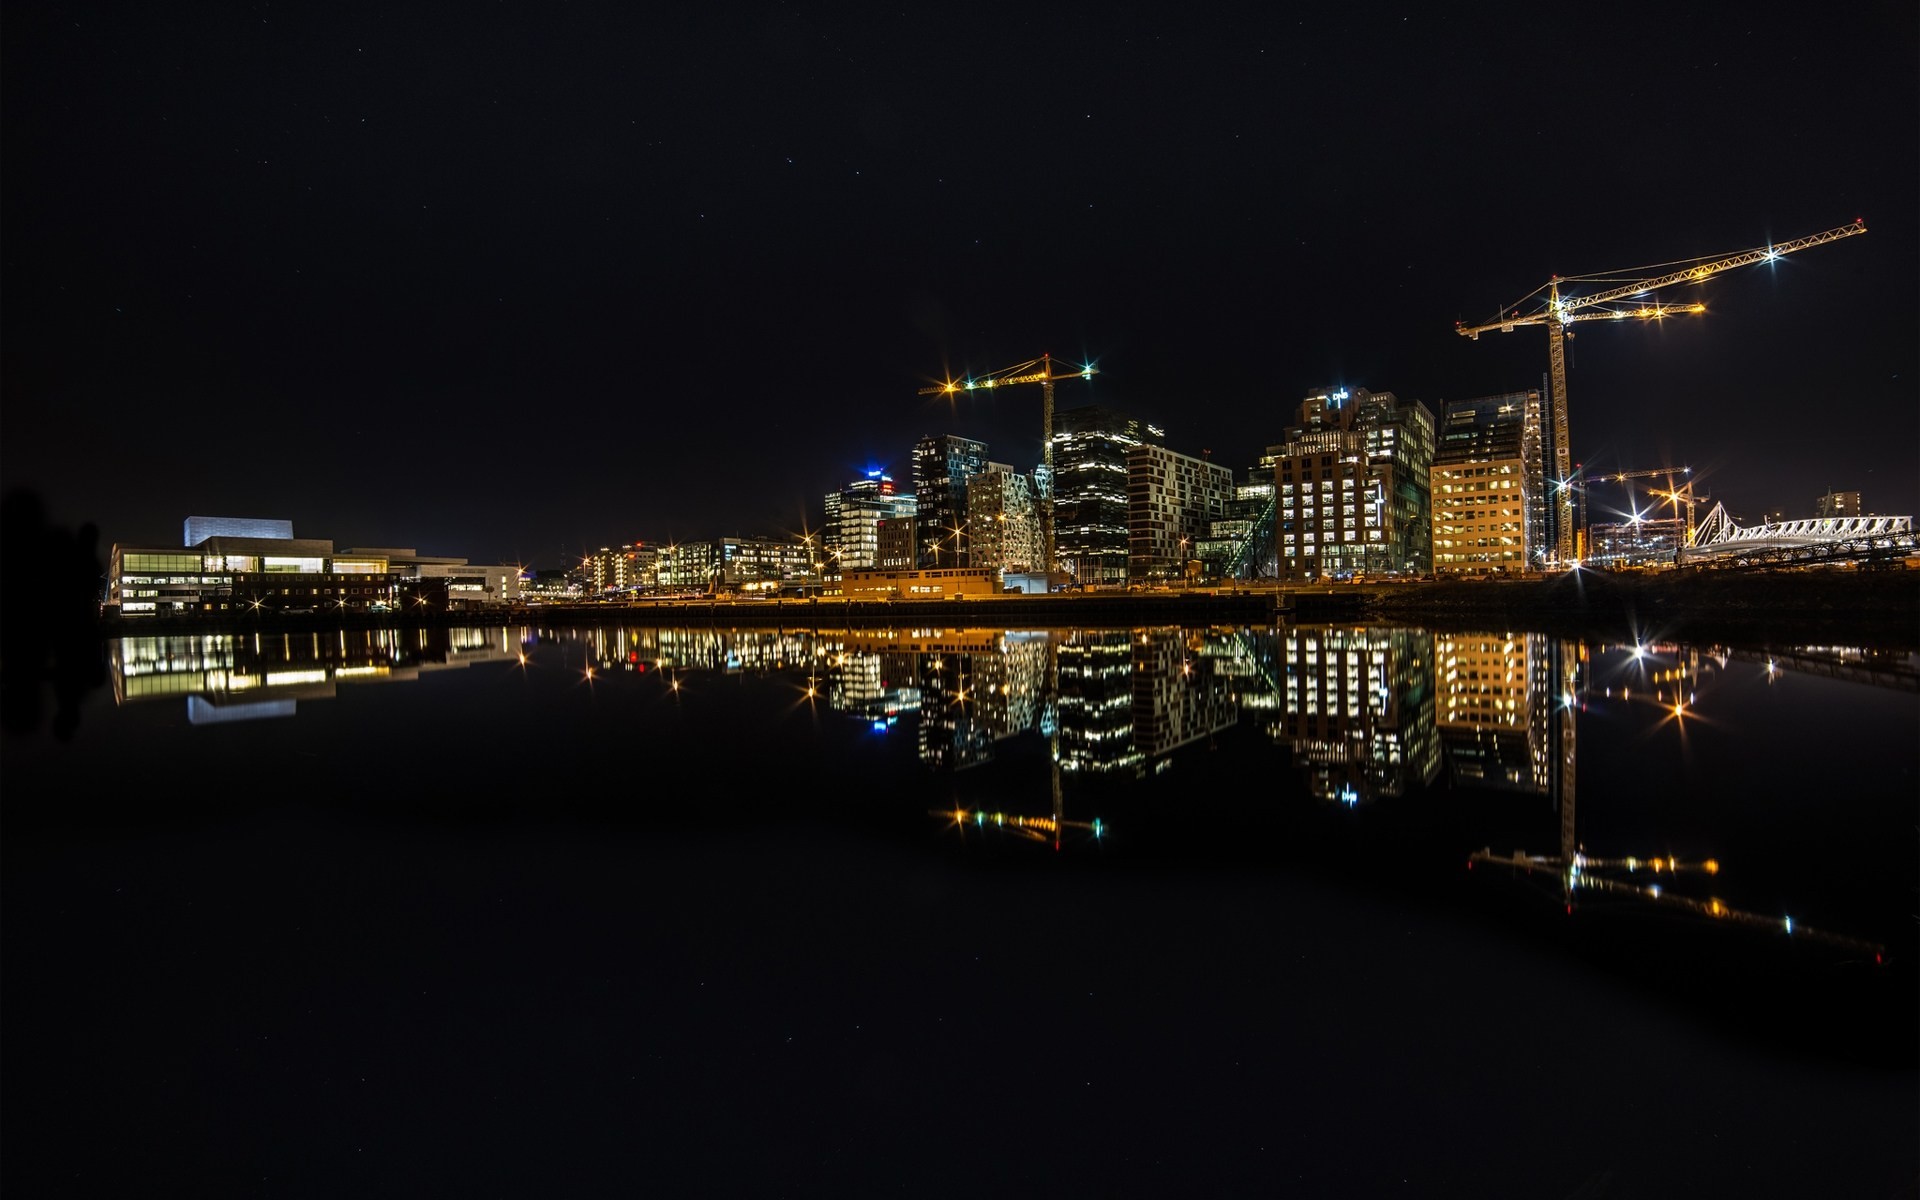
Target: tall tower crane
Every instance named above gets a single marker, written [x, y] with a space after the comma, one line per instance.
[1035, 370]
[1557, 312]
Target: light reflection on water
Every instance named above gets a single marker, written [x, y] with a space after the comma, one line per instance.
[1364, 715]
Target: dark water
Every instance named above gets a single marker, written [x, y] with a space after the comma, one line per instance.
[1329, 911]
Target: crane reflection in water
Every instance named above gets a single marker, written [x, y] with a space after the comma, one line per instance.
[1366, 713]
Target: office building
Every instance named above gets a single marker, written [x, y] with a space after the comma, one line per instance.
[1003, 521]
[895, 540]
[1241, 544]
[1354, 493]
[633, 567]
[851, 535]
[735, 564]
[1172, 502]
[1837, 504]
[933, 583]
[1488, 487]
[1090, 507]
[941, 468]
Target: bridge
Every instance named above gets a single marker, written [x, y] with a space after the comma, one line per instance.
[1720, 542]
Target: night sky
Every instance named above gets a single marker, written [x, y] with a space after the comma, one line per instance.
[494, 280]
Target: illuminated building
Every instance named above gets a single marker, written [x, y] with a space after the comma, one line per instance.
[199, 529]
[1172, 501]
[854, 513]
[1090, 510]
[1837, 504]
[279, 572]
[1488, 485]
[1654, 542]
[634, 567]
[1359, 711]
[1240, 544]
[1003, 521]
[941, 468]
[550, 587]
[933, 584]
[895, 542]
[1353, 486]
[734, 564]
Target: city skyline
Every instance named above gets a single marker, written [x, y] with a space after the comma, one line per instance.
[495, 285]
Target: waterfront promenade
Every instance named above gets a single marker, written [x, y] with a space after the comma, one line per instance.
[1883, 606]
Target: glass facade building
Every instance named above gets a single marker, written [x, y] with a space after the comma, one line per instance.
[941, 468]
[851, 535]
[1090, 506]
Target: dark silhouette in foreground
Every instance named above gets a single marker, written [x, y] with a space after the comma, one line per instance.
[49, 610]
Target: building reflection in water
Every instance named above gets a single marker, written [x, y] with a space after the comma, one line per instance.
[1357, 709]
[242, 677]
[1366, 712]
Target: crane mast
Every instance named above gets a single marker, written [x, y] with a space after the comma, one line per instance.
[1557, 311]
[1035, 370]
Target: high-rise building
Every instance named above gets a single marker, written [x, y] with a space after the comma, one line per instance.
[1354, 493]
[1488, 485]
[1003, 521]
[1837, 504]
[1172, 501]
[941, 467]
[1090, 449]
[851, 534]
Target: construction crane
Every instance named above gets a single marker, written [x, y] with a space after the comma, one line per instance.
[1557, 312]
[1680, 497]
[1035, 370]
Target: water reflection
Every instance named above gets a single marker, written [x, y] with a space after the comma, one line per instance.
[1365, 714]
[1359, 711]
[243, 677]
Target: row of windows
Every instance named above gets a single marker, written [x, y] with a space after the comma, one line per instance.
[160, 562]
[369, 591]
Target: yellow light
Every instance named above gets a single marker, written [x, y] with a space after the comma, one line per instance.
[1711, 866]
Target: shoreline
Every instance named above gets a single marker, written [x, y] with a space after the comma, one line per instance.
[1878, 606]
